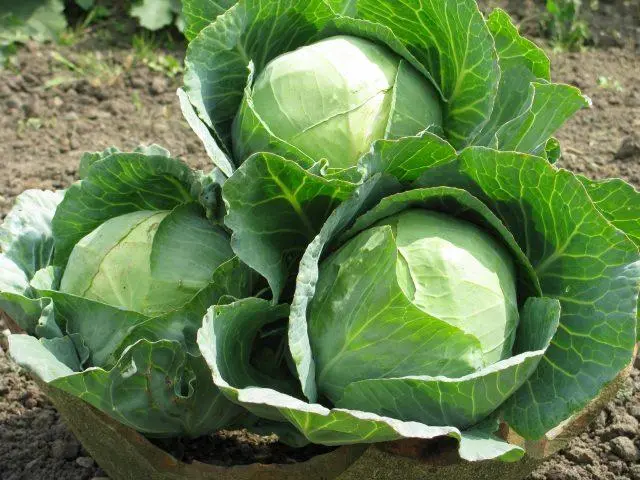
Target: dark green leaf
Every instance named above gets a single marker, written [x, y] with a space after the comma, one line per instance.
[157, 389]
[451, 40]
[549, 105]
[521, 63]
[275, 208]
[580, 259]
[200, 13]
[119, 184]
[407, 158]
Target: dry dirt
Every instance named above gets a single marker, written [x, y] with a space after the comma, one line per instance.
[45, 126]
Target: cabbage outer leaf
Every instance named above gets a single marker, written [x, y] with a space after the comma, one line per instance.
[224, 324]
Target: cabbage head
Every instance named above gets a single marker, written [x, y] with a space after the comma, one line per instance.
[110, 280]
[447, 269]
[332, 99]
[117, 263]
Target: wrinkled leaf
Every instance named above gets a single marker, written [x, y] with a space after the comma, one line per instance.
[317, 423]
[451, 40]
[580, 259]
[275, 208]
[118, 184]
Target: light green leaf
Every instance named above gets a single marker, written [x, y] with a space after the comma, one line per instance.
[200, 13]
[521, 63]
[25, 234]
[481, 443]
[16, 296]
[64, 350]
[186, 229]
[154, 14]
[466, 400]
[275, 208]
[548, 107]
[451, 40]
[256, 135]
[416, 109]
[232, 279]
[32, 355]
[120, 183]
[364, 198]
[152, 150]
[217, 156]
[407, 158]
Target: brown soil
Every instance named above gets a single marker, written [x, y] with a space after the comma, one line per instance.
[44, 128]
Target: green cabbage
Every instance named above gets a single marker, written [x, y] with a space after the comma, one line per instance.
[446, 269]
[334, 98]
[114, 264]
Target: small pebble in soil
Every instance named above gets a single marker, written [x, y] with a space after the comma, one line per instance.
[85, 462]
[624, 448]
[158, 86]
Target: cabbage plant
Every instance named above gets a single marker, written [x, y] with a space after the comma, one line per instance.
[390, 174]
[317, 83]
[110, 280]
[448, 294]
[321, 80]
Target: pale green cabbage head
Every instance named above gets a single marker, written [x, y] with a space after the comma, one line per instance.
[443, 272]
[332, 99]
[120, 264]
[452, 270]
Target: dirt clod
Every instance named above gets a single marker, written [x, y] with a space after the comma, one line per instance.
[64, 449]
[629, 148]
[582, 455]
[624, 448]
